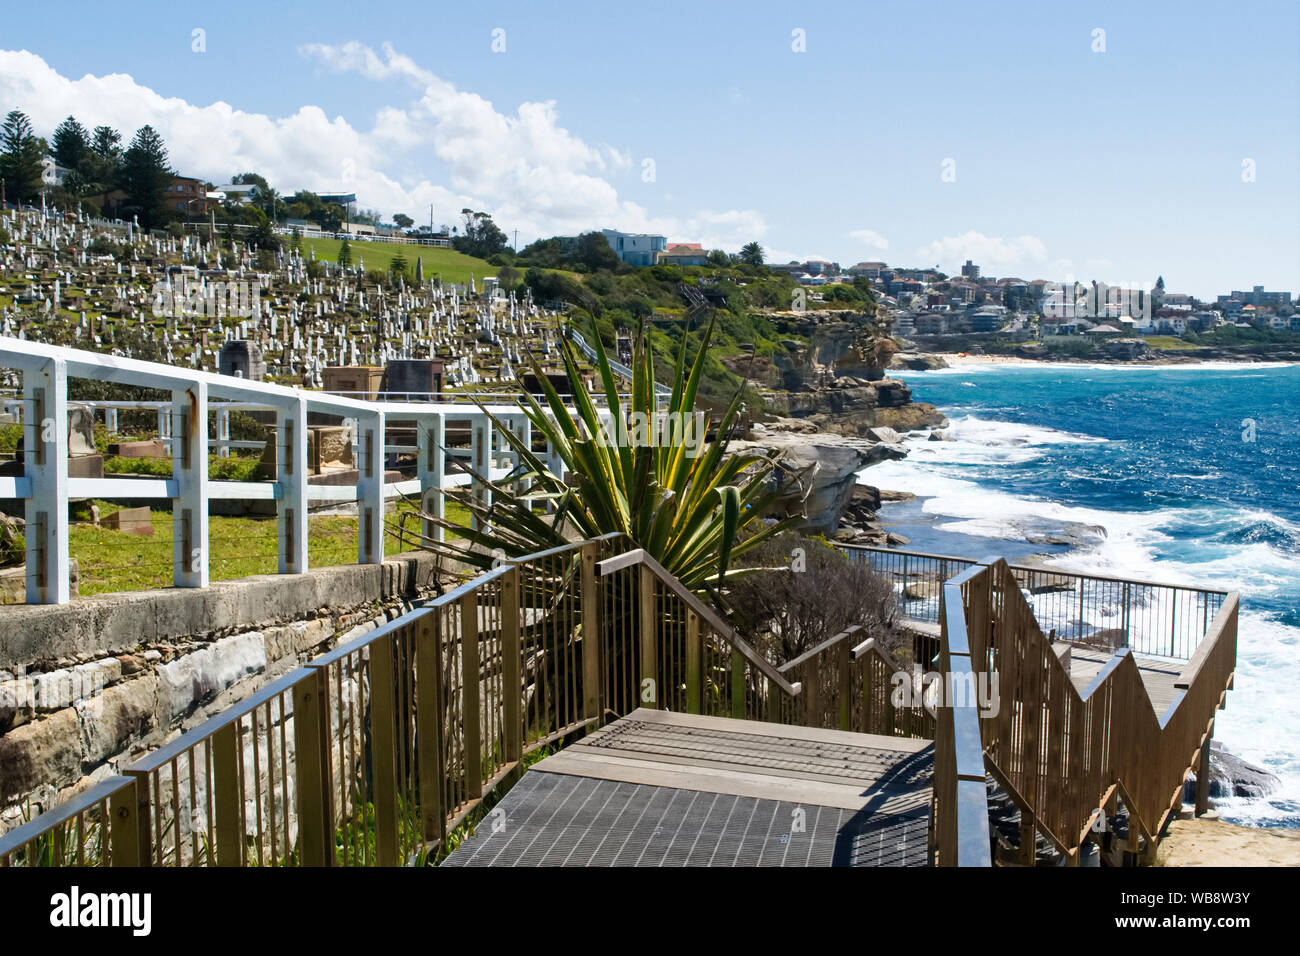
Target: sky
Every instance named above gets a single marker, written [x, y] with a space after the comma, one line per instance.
[1065, 140]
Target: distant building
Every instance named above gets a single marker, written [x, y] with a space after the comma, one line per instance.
[241, 194]
[635, 248]
[970, 270]
[186, 194]
[1258, 298]
[872, 270]
[682, 254]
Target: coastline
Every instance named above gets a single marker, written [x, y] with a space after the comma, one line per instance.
[967, 359]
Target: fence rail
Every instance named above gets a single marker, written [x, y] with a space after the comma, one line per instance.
[376, 431]
[1165, 620]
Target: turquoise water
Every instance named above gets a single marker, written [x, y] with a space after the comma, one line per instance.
[1187, 474]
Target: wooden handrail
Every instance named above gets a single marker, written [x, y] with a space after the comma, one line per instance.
[706, 613]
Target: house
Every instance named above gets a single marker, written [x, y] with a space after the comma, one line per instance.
[241, 194]
[635, 248]
[187, 195]
[872, 270]
[682, 254]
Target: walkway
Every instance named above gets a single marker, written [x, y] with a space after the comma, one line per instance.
[667, 789]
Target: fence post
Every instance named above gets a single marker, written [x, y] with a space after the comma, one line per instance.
[383, 750]
[432, 469]
[469, 678]
[846, 686]
[291, 475]
[124, 812]
[370, 488]
[648, 643]
[738, 685]
[45, 460]
[510, 664]
[189, 415]
[229, 795]
[429, 728]
[592, 678]
[694, 664]
[311, 736]
[481, 440]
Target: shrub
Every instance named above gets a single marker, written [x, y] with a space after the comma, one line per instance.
[814, 593]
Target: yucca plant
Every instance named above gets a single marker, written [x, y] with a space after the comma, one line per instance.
[685, 501]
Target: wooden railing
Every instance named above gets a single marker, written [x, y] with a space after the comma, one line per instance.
[1065, 757]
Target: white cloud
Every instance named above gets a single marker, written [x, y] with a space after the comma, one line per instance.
[870, 238]
[995, 255]
[533, 174]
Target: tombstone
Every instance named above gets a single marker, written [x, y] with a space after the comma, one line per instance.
[242, 358]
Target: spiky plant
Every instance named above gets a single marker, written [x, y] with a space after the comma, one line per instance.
[684, 501]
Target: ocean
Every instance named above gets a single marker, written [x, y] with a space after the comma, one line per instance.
[1179, 474]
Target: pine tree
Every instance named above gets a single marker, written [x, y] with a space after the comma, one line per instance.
[146, 174]
[345, 254]
[71, 145]
[22, 157]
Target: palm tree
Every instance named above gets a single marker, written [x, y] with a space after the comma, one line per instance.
[684, 501]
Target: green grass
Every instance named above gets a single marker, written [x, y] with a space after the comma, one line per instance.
[110, 561]
[453, 266]
[1167, 342]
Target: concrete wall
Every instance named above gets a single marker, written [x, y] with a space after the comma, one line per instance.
[88, 687]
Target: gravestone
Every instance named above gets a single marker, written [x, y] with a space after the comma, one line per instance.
[243, 358]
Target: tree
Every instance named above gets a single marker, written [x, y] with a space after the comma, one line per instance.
[719, 258]
[752, 254]
[146, 174]
[71, 145]
[481, 237]
[345, 254]
[595, 252]
[104, 164]
[22, 157]
[403, 221]
[397, 266]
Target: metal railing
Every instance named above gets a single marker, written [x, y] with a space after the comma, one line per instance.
[45, 486]
[369, 754]
[1164, 620]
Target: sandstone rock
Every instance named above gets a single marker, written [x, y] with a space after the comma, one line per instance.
[17, 702]
[1230, 776]
[824, 470]
[46, 751]
[122, 713]
[194, 678]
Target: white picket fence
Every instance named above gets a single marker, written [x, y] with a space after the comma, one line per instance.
[45, 486]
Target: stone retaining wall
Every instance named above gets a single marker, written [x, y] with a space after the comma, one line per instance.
[88, 687]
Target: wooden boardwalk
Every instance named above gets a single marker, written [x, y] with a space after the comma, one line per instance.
[1158, 674]
[665, 789]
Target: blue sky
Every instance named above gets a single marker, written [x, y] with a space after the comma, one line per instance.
[1070, 163]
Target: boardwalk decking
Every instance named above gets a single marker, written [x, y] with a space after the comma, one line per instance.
[1158, 674]
[663, 789]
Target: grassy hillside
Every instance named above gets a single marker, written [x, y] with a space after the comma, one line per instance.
[453, 266]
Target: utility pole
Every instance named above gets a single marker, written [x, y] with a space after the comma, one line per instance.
[516, 246]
